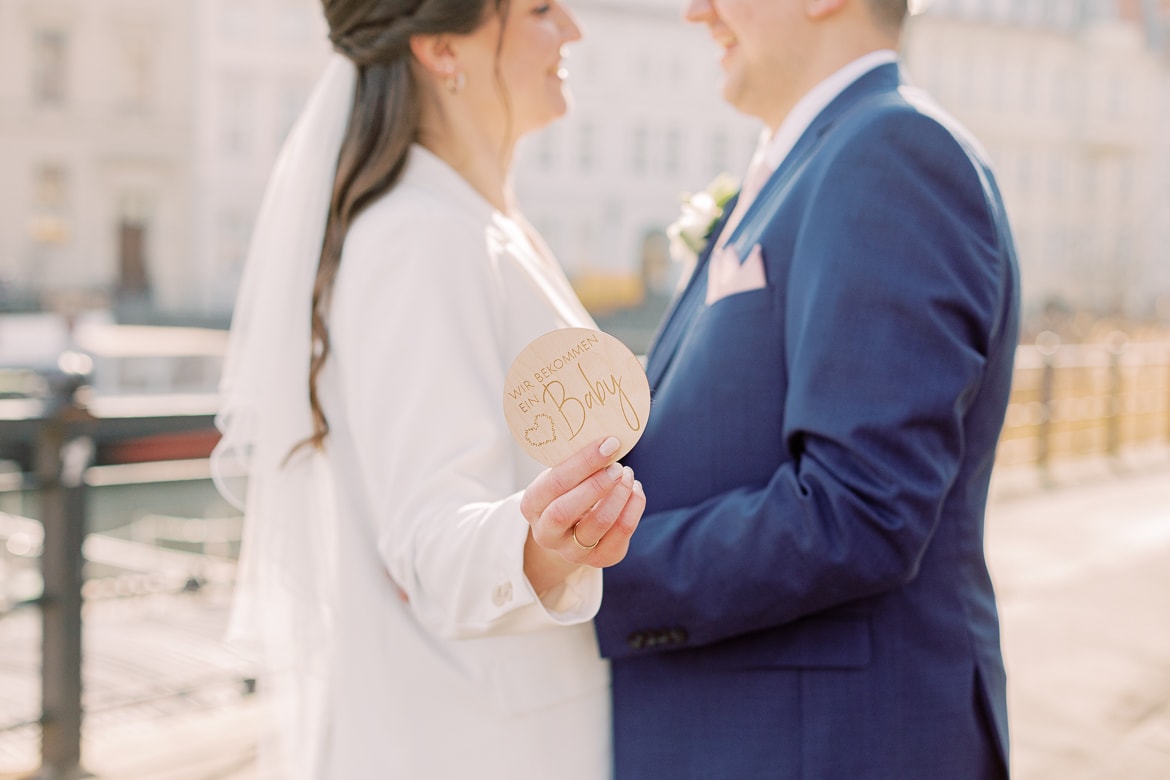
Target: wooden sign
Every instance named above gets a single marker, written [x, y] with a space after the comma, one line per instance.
[570, 388]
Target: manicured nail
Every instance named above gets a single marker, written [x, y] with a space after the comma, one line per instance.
[638, 488]
[609, 446]
[614, 471]
[628, 476]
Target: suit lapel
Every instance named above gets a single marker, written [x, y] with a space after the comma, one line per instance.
[674, 322]
[881, 79]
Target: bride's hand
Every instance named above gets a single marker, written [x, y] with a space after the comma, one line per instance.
[585, 509]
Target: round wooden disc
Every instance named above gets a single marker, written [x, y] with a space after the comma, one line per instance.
[570, 388]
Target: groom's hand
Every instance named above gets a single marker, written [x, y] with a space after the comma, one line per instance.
[586, 508]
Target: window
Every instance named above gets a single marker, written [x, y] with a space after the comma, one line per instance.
[50, 52]
[965, 88]
[1123, 251]
[586, 151]
[138, 75]
[586, 254]
[1057, 246]
[672, 153]
[550, 230]
[50, 200]
[52, 188]
[1056, 175]
[1028, 85]
[546, 148]
[235, 135]
[1125, 182]
[134, 237]
[293, 24]
[643, 69]
[1090, 181]
[289, 104]
[640, 149]
[1024, 173]
[238, 22]
[233, 233]
[1114, 96]
[1059, 91]
[718, 153]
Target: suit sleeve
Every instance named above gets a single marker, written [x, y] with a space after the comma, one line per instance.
[894, 292]
[419, 315]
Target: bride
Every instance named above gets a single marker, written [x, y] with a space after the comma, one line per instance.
[419, 593]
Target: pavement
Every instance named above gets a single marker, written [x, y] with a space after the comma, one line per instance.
[1082, 572]
[1081, 563]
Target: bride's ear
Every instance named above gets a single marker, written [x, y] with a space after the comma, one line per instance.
[435, 54]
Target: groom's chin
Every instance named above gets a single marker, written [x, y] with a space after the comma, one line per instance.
[729, 89]
[739, 98]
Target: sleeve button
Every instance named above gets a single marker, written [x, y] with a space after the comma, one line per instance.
[502, 594]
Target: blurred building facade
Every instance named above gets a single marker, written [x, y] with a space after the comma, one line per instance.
[136, 137]
[94, 137]
[1071, 99]
[647, 126]
[257, 62]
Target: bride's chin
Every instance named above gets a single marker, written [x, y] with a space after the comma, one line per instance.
[548, 119]
[560, 107]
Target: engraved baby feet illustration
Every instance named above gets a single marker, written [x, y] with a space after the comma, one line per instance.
[536, 435]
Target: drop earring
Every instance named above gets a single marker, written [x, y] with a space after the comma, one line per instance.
[455, 82]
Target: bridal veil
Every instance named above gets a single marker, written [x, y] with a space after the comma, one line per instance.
[283, 606]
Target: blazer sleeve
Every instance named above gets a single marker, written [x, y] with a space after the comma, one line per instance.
[417, 318]
[895, 288]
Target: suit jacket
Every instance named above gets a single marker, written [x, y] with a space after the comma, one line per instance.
[807, 595]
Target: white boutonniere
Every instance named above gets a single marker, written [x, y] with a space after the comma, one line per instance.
[700, 213]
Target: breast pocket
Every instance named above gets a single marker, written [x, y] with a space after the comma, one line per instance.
[741, 303]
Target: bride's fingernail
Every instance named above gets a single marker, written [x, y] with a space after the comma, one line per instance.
[628, 476]
[614, 471]
[609, 446]
[638, 488]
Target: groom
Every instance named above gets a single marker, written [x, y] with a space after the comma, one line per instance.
[807, 595]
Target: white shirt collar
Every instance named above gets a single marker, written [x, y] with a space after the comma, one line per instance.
[773, 148]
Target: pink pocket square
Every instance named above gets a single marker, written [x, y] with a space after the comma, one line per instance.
[728, 276]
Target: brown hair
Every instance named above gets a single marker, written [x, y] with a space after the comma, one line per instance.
[375, 35]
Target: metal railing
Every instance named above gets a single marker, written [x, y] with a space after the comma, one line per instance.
[1086, 400]
[54, 432]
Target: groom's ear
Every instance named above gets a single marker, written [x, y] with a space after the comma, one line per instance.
[817, 10]
[434, 52]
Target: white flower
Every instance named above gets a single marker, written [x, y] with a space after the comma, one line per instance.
[700, 212]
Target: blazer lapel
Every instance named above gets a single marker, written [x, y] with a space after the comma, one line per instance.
[542, 273]
[678, 316]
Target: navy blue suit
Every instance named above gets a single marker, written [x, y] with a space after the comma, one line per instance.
[807, 595]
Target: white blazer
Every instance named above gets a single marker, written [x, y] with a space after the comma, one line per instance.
[444, 663]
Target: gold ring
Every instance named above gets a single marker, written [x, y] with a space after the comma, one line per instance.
[585, 547]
